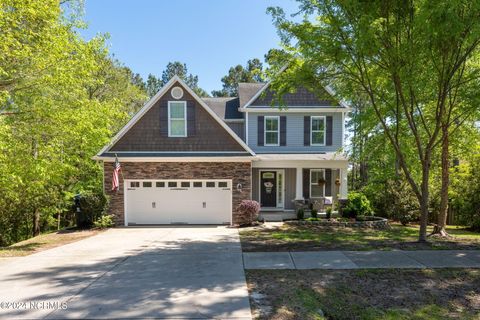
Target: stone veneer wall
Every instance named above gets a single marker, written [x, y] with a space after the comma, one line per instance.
[239, 172]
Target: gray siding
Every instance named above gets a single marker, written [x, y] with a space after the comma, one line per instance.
[238, 128]
[289, 185]
[295, 133]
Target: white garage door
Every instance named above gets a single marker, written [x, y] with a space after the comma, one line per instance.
[178, 201]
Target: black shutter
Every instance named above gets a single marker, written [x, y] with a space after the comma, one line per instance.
[191, 129]
[163, 107]
[328, 182]
[306, 130]
[260, 130]
[306, 183]
[283, 130]
[329, 130]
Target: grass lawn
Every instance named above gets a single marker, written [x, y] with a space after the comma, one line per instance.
[365, 294]
[45, 241]
[311, 238]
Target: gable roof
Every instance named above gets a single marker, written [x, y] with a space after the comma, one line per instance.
[225, 107]
[247, 90]
[152, 102]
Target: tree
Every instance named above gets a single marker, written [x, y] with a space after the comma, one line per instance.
[252, 72]
[410, 59]
[154, 84]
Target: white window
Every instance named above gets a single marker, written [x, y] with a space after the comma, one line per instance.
[272, 130]
[317, 131]
[317, 183]
[177, 118]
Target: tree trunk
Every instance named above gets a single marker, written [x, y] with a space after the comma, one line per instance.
[36, 223]
[442, 216]
[424, 202]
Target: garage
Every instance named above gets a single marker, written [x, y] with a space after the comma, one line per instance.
[178, 202]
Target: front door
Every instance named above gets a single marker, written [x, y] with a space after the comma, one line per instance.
[268, 189]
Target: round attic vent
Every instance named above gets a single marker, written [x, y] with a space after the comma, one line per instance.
[177, 93]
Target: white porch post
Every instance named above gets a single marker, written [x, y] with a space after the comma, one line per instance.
[343, 185]
[299, 184]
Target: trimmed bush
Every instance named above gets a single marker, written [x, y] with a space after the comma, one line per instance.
[93, 206]
[357, 205]
[329, 213]
[105, 221]
[314, 213]
[248, 212]
[300, 214]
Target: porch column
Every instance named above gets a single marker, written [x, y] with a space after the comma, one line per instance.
[343, 185]
[299, 184]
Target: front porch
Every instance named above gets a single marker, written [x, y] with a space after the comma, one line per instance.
[281, 181]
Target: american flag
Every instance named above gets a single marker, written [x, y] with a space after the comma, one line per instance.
[115, 179]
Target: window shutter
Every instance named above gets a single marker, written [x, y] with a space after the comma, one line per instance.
[328, 182]
[163, 107]
[283, 130]
[306, 130]
[191, 126]
[260, 130]
[329, 124]
[306, 183]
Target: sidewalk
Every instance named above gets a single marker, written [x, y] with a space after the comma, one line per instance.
[362, 259]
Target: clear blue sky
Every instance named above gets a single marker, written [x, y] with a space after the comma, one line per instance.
[209, 36]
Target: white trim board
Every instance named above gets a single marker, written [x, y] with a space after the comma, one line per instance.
[296, 109]
[176, 159]
[152, 102]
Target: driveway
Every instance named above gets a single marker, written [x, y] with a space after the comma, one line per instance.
[185, 272]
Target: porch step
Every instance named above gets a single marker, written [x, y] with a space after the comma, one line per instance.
[276, 216]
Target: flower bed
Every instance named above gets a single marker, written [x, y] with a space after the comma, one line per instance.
[372, 222]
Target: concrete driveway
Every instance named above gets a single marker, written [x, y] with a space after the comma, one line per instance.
[187, 272]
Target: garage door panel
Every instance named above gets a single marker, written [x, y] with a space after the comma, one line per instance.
[188, 204]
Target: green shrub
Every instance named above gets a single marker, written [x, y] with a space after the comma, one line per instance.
[357, 205]
[93, 206]
[314, 213]
[329, 213]
[105, 221]
[300, 214]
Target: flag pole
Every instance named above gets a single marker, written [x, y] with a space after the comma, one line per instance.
[121, 171]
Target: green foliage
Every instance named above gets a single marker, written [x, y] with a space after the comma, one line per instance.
[63, 98]
[252, 72]
[300, 214]
[329, 213]
[314, 213]
[93, 206]
[357, 205]
[104, 221]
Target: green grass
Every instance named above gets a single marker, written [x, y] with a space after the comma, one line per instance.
[366, 294]
[292, 237]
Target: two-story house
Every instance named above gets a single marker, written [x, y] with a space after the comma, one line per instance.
[187, 159]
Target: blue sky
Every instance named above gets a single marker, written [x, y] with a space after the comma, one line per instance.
[210, 36]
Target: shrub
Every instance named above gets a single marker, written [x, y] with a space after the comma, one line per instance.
[105, 221]
[248, 212]
[300, 214]
[357, 205]
[93, 206]
[314, 213]
[329, 213]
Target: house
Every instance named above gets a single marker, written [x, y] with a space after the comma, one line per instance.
[187, 159]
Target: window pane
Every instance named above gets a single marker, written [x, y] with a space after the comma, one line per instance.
[318, 124]
[177, 110]
[177, 127]
[160, 184]
[316, 175]
[210, 184]
[197, 184]
[172, 184]
[317, 137]
[271, 137]
[317, 191]
[271, 124]
[147, 184]
[185, 184]
[222, 184]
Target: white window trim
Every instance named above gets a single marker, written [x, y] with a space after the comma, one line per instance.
[265, 131]
[185, 119]
[324, 130]
[310, 184]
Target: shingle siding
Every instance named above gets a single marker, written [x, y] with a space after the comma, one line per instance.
[238, 128]
[295, 133]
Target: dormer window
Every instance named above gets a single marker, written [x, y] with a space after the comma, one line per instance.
[317, 132]
[177, 118]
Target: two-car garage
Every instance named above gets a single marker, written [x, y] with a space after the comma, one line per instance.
[178, 202]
